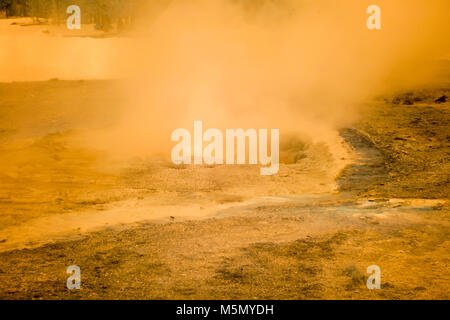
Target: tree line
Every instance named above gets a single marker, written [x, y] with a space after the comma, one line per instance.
[103, 13]
[108, 14]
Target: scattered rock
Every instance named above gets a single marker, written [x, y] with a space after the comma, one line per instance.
[396, 100]
[408, 102]
[420, 288]
[387, 285]
[442, 99]
[356, 276]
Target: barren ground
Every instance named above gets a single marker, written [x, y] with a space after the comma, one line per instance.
[145, 229]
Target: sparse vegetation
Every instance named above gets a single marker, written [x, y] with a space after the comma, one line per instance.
[105, 14]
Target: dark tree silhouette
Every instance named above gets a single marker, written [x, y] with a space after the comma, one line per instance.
[5, 6]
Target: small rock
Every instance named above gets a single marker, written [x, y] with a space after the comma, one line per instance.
[408, 102]
[396, 100]
[420, 288]
[388, 285]
[442, 99]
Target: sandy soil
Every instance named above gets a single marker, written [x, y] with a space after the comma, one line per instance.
[146, 229]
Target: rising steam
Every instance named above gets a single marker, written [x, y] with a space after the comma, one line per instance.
[302, 66]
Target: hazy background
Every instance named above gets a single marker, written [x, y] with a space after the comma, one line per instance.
[301, 66]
